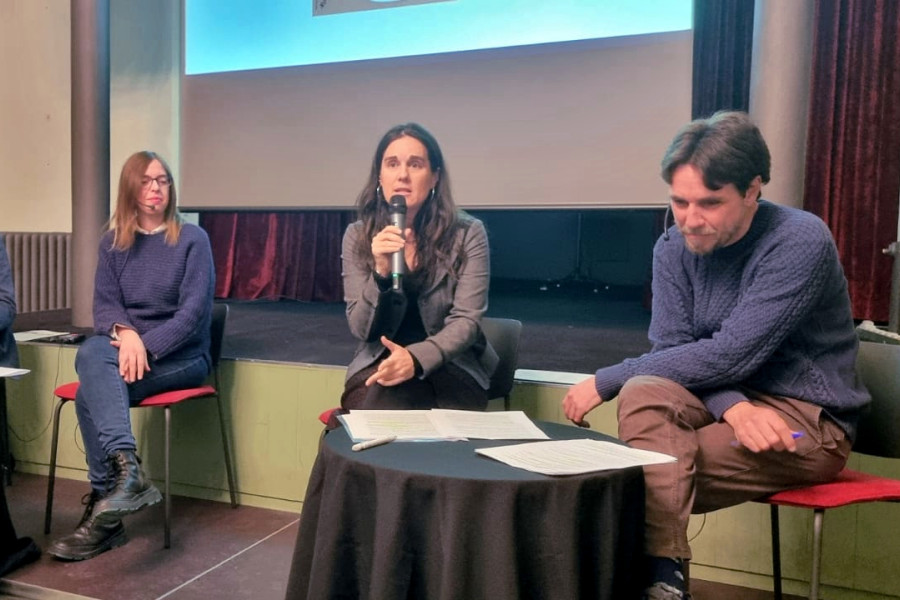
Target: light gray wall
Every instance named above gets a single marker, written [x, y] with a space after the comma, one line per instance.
[561, 125]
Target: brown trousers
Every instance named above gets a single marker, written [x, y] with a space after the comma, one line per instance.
[711, 472]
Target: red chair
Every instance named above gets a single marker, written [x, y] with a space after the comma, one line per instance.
[66, 393]
[879, 366]
[503, 335]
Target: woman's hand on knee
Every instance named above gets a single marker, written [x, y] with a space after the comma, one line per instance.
[133, 361]
[396, 368]
[580, 400]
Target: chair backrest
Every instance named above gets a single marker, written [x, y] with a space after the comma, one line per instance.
[503, 335]
[217, 332]
[878, 364]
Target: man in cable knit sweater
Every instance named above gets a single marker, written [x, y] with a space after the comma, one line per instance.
[750, 381]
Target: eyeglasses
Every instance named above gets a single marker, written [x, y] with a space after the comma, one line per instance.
[162, 181]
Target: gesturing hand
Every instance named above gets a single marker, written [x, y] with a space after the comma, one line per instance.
[132, 355]
[580, 400]
[396, 368]
[758, 428]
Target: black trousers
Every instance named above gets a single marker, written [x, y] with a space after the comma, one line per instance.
[447, 387]
[14, 551]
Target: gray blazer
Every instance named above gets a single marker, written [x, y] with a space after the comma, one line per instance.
[9, 356]
[451, 307]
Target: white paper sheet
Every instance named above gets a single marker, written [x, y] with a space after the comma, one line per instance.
[36, 334]
[10, 372]
[422, 425]
[495, 425]
[571, 457]
[405, 424]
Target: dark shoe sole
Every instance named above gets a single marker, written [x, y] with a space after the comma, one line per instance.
[62, 553]
[109, 510]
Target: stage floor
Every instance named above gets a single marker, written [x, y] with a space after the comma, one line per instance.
[567, 327]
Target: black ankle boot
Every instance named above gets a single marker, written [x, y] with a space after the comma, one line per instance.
[132, 490]
[91, 537]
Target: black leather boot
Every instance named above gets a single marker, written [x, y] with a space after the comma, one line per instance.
[91, 537]
[132, 490]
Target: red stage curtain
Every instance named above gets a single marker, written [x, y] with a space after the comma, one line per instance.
[277, 255]
[853, 146]
[723, 44]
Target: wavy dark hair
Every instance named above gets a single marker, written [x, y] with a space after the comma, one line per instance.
[436, 222]
[726, 148]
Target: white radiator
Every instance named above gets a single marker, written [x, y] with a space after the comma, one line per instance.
[41, 267]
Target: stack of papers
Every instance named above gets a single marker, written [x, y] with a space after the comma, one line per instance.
[10, 372]
[36, 334]
[571, 457]
[440, 424]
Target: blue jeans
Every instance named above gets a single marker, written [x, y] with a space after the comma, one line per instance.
[103, 400]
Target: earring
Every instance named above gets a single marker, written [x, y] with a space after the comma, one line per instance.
[378, 193]
[432, 194]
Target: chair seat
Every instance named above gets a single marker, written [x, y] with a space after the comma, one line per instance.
[325, 415]
[849, 487]
[176, 396]
[67, 391]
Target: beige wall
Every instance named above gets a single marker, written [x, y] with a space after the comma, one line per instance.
[35, 115]
[35, 157]
[145, 67]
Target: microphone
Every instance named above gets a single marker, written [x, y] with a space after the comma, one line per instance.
[398, 259]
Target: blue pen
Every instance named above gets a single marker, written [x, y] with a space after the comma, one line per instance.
[794, 434]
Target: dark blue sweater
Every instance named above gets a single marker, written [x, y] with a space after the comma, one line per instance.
[9, 356]
[163, 292]
[770, 312]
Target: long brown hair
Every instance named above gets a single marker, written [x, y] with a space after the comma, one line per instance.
[436, 222]
[124, 221]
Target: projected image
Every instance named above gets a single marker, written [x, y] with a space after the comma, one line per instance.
[333, 7]
[288, 33]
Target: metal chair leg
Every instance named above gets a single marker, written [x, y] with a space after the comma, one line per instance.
[818, 521]
[776, 550]
[168, 495]
[51, 480]
[229, 471]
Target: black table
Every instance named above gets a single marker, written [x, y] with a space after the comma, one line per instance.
[434, 520]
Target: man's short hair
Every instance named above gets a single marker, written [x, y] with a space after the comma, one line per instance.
[726, 148]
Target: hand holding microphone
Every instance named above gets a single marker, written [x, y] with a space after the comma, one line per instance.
[397, 212]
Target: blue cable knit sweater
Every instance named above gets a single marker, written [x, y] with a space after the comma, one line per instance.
[770, 313]
[163, 292]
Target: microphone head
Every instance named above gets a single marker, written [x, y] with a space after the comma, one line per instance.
[397, 205]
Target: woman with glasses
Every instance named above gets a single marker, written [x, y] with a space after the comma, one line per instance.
[153, 294]
[421, 344]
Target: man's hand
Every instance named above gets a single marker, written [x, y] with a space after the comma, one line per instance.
[580, 400]
[132, 355]
[759, 429]
[396, 368]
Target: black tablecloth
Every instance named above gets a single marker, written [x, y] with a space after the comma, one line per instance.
[434, 520]
[14, 551]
